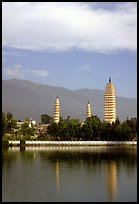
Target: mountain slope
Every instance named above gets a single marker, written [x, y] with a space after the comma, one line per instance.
[24, 98]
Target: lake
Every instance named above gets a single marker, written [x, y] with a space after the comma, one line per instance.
[69, 174]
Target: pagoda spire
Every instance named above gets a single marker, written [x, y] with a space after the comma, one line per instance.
[109, 79]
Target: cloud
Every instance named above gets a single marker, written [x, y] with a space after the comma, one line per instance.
[40, 73]
[60, 26]
[18, 72]
[15, 72]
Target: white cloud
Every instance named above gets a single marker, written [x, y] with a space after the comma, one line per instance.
[18, 72]
[67, 25]
[40, 73]
[15, 72]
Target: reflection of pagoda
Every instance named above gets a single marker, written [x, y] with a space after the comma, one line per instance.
[57, 171]
[56, 111]
[111, 179]
[88, 110]
[110, 102]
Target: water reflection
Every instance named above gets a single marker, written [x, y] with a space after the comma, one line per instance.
[111, 178]
[99, 168]
[57, 175]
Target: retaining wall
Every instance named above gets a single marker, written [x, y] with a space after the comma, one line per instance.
[76, 143]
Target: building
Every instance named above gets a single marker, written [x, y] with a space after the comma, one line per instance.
[110, 102]
[88, 110]
[57, 111]
[32, 122]
[20, 123]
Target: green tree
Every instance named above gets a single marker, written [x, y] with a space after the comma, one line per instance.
[9, 116]
[46, 119]
[11, 123]
[132, 123]
[104, 131]
[26, 130]
[68, 129]
[53, 130]
[92, 128]
[124, 131]
[4, 124]
[87, 132]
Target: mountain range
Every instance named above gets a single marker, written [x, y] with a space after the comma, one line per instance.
[27, 99]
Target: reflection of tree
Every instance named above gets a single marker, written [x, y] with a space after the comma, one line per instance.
[119, 155]
[28, 155]
[111, 178]
[8, 158]
[92, 157]
[112, 158]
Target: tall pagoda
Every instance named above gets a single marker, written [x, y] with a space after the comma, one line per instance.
[57, 111]
[110, 102]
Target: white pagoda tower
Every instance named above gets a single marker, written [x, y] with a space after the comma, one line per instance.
[110, 102]
[88, 110]
[57, 111]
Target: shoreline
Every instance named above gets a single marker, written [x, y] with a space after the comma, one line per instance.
[70, 143]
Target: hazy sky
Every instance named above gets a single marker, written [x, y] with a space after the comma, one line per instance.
[73, 45]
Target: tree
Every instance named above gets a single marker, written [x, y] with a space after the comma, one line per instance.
[53, 130]
[124, 131]
[133, 124]
[92, 128]
[11, 123]
[4, 124]
[104, 131]
[87, 132]
[9, 117]
[46, 119]
[26, 130]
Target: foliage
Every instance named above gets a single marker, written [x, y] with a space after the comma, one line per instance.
[26, 130]
[46, 119]
[11, 123]
[4, 124]
[71, 129]
[9, 116]
[93, 129]
[44, 137]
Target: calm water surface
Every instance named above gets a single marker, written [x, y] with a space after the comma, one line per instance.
[69, 174]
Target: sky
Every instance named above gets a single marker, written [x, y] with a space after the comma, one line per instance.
[73, 45]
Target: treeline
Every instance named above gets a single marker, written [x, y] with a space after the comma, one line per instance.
[11, 131]
[93, 129]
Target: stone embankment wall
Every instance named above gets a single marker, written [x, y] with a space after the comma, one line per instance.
[74, 143]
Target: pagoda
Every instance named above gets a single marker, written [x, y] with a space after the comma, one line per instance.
[56, 111]
[110, 102]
